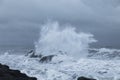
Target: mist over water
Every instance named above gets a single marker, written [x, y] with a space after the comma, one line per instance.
[53, 39]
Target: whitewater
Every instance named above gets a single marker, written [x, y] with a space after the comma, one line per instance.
[73, 56]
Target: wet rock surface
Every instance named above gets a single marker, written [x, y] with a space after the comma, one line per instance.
[9, 74]
[46, 59]
[84, 78]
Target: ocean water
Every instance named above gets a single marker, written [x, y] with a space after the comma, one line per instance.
[77, 57]
[15, 49]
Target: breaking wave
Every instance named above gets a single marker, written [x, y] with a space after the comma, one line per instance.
[53, 39]
[101, 64]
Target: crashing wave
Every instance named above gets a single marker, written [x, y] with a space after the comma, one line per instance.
[54, 39]
[104, 53]
[67, 46]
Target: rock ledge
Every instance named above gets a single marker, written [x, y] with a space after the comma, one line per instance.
[9, 74]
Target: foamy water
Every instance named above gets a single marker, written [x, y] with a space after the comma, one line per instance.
[53, 40]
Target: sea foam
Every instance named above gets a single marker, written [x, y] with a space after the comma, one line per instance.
[53, 38]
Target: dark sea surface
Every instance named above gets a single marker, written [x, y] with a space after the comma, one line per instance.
[15, 49]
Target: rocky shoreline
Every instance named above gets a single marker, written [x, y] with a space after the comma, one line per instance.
[8, 74]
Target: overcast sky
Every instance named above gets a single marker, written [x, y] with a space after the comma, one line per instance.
[20, 19]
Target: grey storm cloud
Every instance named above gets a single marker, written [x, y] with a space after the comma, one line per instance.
[20, 19]
[37, 10]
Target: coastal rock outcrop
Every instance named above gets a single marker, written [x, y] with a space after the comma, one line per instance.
[8, 74]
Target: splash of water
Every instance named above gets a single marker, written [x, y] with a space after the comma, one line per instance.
[54, 39]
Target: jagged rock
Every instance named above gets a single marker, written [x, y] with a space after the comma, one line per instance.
[84, 78]
[32, 54]
[8, 74]
[46, 59]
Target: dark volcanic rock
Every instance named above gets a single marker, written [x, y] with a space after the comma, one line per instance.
[85, 78]
[46, 59]
[32, 54]
[8, 74]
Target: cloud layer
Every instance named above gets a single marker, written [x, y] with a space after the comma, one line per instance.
[20, 20]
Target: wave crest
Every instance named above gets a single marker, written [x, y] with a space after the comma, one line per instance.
[54, 39]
